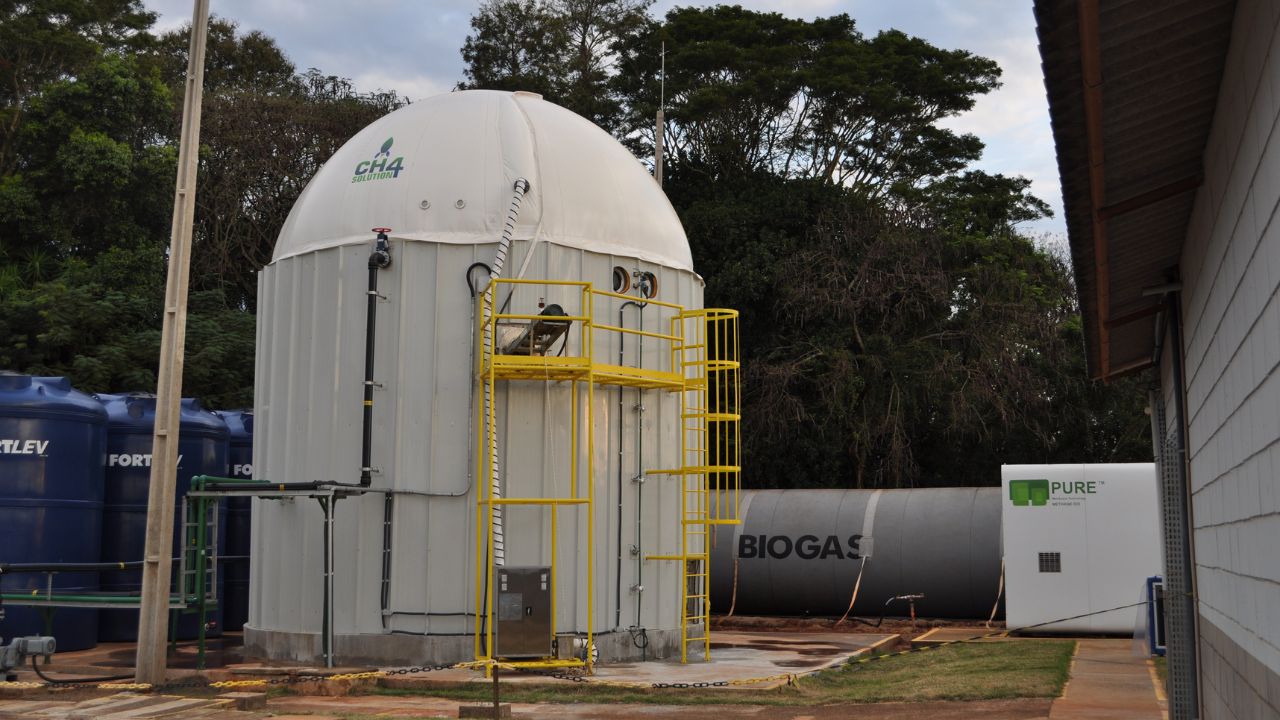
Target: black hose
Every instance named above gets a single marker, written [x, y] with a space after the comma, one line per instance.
[884, 608]
[471, 285]
[388, 511]
[109, 678]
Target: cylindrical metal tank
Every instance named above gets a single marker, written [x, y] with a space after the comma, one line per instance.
[441, 173]
[799, 552]
[235, 569]
[202, 450]
[52, 441]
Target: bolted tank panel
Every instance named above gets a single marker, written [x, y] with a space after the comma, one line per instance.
[591, 209]
[799, 552]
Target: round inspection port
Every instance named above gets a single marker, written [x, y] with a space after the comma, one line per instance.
[621, 279]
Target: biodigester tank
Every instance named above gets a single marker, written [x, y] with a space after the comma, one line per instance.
[538, 341]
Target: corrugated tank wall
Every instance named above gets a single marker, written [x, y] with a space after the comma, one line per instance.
[311, 323]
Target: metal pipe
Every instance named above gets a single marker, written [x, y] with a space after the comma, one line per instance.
[379, 259]
[622, 341]
[639, 480]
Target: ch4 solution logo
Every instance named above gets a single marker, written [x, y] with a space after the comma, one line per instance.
[1040, 492]
[381, 167]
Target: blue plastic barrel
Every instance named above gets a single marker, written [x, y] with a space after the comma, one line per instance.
[52, 441]
[235, 611]
[202, 450]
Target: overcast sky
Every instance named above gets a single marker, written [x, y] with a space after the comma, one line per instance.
[411, 46]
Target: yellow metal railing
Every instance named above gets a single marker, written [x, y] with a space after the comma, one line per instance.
[710, 448]
[702, 351]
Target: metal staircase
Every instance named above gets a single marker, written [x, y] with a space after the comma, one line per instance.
[710, 477]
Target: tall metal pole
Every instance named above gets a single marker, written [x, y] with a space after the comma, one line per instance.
[157, 555]
[660, 122]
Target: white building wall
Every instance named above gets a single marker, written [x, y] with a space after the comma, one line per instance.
[1230, 269]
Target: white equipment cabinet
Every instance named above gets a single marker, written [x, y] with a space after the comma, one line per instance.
[1078, 539]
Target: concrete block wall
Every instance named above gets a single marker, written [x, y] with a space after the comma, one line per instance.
[1231, 328]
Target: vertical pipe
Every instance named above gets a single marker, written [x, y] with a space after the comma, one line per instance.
[481, 548]
[639, 480]
[591, 489]
[617, 584]
[622, 323]
[326, 620]
[379, 259]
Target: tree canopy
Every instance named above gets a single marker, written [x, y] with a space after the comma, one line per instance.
[87, 189]
[898, 327]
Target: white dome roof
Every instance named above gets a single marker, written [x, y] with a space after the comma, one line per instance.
[443, 170]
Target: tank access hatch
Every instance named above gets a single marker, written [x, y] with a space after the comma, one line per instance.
[523, 627]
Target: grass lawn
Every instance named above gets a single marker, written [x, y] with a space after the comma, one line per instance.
[970, 671]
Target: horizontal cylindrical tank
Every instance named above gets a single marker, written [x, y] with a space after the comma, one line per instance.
[52, 440]
[235, 569]
[202, 450]
[799, 552]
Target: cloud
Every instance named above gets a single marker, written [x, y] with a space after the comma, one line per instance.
[414, 86]
[412, 47]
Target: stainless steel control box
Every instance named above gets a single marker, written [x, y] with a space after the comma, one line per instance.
[523, 626]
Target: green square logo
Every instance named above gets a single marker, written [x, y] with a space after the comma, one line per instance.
[1029, 492]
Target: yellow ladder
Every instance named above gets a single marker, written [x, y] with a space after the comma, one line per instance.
[710, 475]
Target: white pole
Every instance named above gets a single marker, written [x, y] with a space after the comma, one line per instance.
[157, 555]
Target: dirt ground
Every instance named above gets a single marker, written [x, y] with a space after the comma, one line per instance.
[1024, 709]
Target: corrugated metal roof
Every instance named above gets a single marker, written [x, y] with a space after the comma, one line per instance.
[1161, 65]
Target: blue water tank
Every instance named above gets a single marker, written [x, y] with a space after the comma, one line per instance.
[202, 450]
[235, 611]
[52, 442]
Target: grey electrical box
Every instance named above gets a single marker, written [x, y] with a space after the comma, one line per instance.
[523, 627]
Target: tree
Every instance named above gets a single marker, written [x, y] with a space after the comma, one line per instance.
[46, 40]
[516, 45]
[749, 91]
[89, 174]
[595, 29]
[561, 49]
[265, 132]
[85, 207]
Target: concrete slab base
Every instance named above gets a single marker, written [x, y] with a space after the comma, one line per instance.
[381, 650]
[735, 657]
